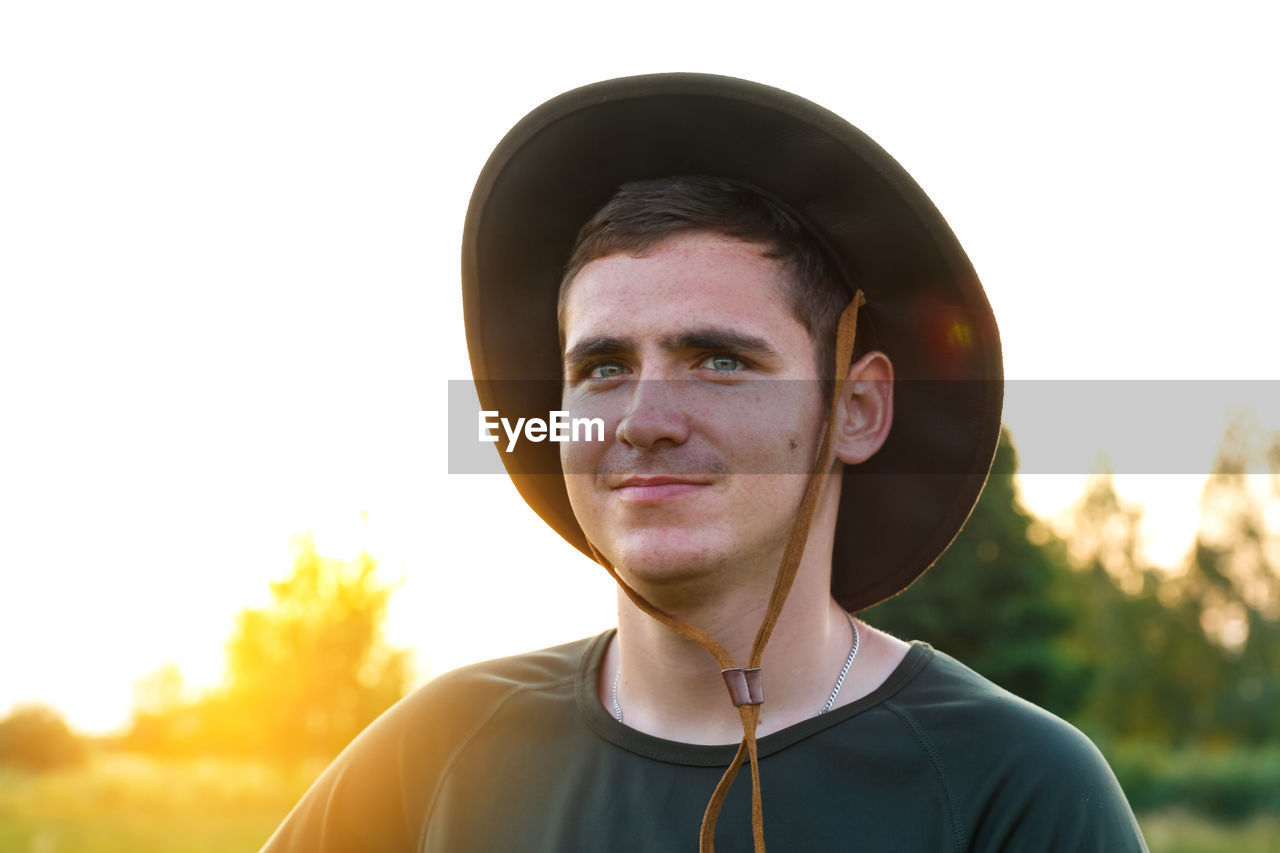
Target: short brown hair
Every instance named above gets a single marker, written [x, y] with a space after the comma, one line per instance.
[642, 214]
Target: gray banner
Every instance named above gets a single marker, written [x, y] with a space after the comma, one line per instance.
[1058, 426]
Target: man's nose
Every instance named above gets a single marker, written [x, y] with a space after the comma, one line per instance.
[655, 413]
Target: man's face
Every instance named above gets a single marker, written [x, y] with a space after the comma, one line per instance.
[703, 464]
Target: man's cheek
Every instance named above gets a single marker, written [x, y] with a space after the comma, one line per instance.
[581, 500]
[582, 458]
[590, 432]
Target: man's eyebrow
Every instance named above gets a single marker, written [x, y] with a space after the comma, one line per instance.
[597, 347]
[726, 340]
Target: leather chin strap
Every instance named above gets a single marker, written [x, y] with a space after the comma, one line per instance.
[744, 683]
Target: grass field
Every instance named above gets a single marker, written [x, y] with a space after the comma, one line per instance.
[1177, 832]
[131, 804]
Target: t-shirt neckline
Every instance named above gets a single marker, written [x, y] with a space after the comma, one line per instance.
[604, 725]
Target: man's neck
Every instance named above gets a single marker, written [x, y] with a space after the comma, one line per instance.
[671, 687]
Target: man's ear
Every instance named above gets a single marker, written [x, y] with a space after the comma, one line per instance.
[864, 412]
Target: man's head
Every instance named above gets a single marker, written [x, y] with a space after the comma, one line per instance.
[707, 283]
[642, 214]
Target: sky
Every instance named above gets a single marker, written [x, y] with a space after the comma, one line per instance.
[230, 303]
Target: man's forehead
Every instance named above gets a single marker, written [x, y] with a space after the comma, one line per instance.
[683, 281]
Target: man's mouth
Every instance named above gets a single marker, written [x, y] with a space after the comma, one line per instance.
[656, 489]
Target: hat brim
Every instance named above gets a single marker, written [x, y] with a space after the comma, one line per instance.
[925, 306]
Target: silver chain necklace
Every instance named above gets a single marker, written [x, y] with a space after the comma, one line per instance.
[848, 662]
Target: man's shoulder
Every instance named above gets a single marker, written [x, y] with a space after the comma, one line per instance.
[949, 702]
[497, 679]
[947, 686]
[450, 707]
[1001, 759]
[377, 793]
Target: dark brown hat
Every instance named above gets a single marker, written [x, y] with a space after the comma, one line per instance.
[925, 306]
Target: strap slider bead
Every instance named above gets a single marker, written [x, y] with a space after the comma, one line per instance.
[746, 686]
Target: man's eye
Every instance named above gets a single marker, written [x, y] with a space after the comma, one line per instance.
[608, 370]
[723, 363]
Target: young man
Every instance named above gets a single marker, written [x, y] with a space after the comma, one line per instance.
[763, 474]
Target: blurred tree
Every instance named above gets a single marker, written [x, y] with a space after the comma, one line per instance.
[1182, 657]
[159, 691]
[1156, 675]
[163, 720]
[312, 670]
[999, 601]
[1232, 569]
[1233, 575]
[36, 737]
[304, 675]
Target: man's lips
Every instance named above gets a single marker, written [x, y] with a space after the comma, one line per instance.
[657, 489]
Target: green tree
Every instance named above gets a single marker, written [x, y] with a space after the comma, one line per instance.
[1155, 673]
[1233, 573]
[1185, 657]
[999, 601]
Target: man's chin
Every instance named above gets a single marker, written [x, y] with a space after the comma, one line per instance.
[666, 558]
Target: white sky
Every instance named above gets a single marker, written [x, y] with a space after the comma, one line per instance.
[229, 298]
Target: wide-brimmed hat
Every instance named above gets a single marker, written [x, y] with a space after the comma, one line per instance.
[925, 307]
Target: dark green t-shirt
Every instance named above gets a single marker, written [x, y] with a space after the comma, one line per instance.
[518, 755]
